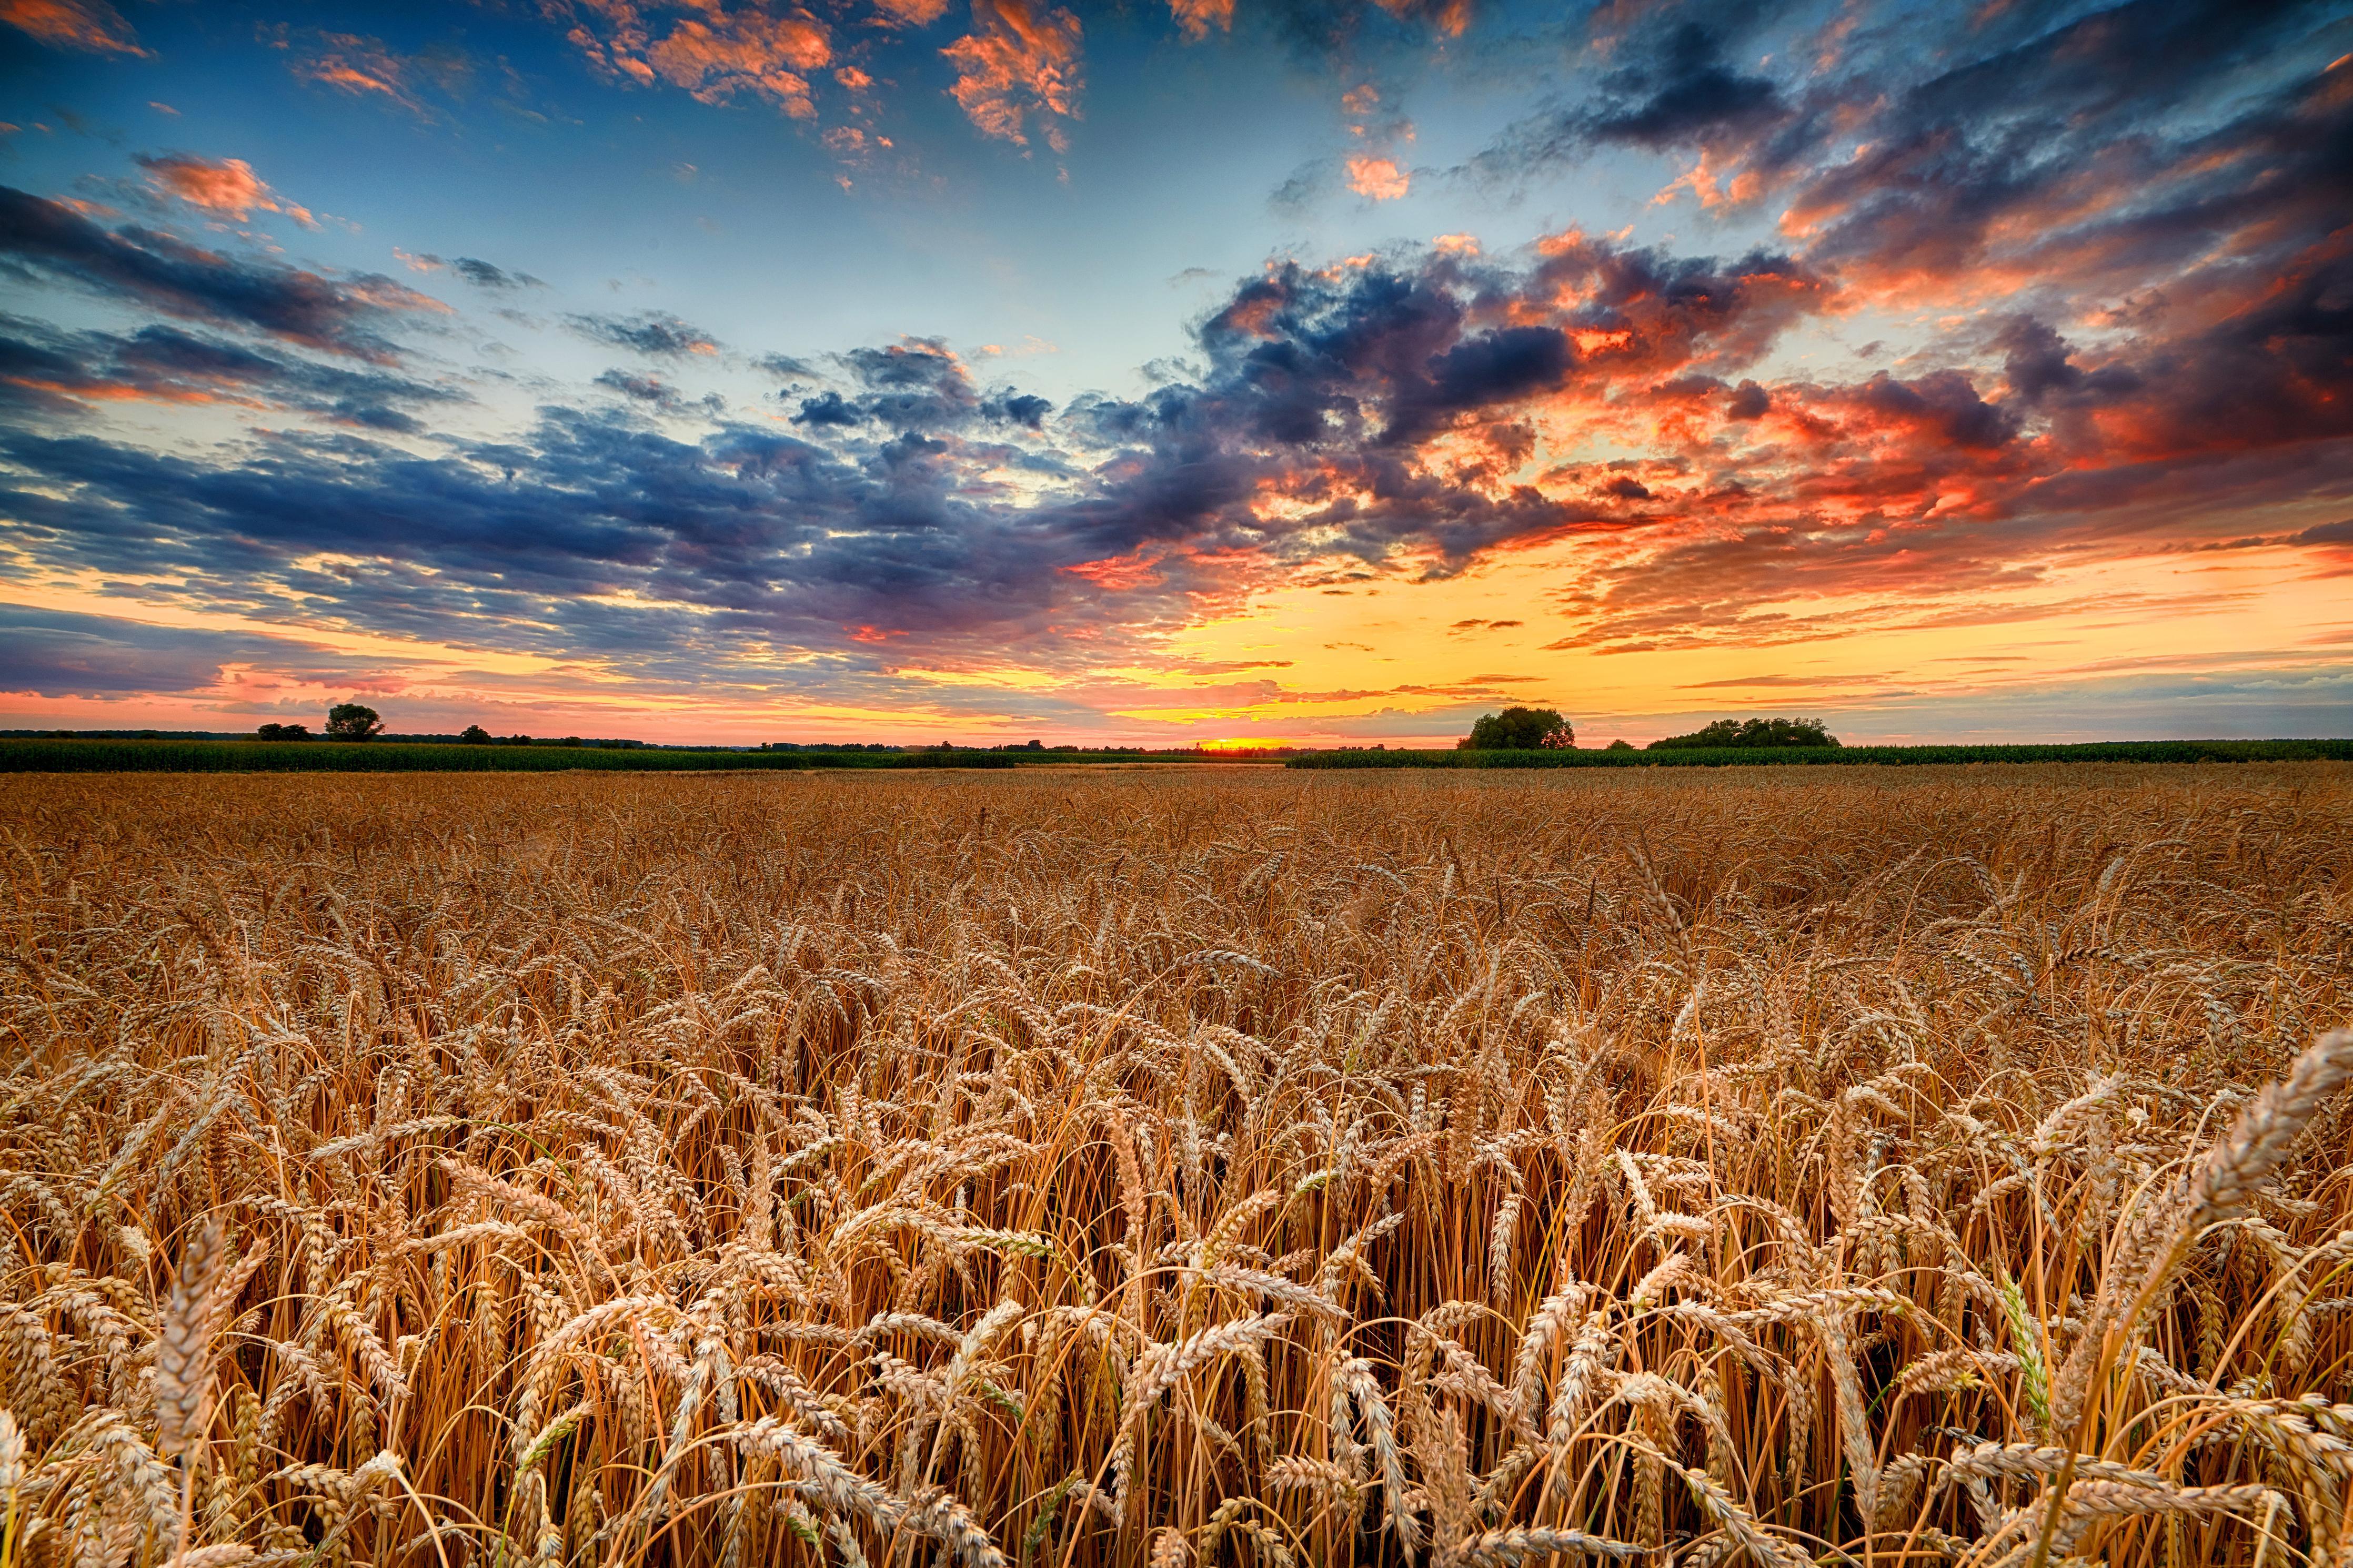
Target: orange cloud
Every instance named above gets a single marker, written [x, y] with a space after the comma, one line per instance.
[714, 54]
[909, 13]
[1119, 573]
[1194, 17]
[1016, 61]
[745, 53]
[226, 185]
[1378, 179]
[1448, 18]
[91, 24]
[363, 66]
[96, 391]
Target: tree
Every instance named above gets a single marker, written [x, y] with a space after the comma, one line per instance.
[475, 735]
[1619, 746]
[352, 722]
[284, 731]
[1520, 730]
[1751, 732]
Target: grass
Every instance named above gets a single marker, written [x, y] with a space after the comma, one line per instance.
[1769, 1168]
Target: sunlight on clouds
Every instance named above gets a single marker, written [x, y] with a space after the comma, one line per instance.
[1378, 179]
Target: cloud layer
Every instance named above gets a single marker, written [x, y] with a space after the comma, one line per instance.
[2112, 249]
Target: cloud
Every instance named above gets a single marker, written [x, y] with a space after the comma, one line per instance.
[1015, 63]
[226, 186]
[2111, 343]
[1683, 94]
[56, 653]
[657, 393]
[827, 408]
[1194, 18]
[482, 275]
[655, 334]
[69, 373]
[89, 25]
[364, 68]
[714, 51]
[1378, 179]
[909, 12]
[143, 267]
[1341, 30]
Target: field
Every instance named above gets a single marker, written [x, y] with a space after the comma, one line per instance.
[1782, 1166]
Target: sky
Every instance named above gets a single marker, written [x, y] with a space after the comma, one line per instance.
[1218, 371]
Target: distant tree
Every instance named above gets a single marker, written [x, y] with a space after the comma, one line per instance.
[352, 722]
[1751, 732]
[474, 735]
[1035, 746]
[284, 731]
[518, 740]
[1619, 746]
[1520, 730]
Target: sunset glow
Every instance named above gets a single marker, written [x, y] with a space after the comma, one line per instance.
[1199, 373]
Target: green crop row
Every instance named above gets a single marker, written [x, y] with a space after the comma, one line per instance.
[76, 756]
[1846, 756]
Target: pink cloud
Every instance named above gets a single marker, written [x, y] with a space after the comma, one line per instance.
[1378, 179]
[226, 186]
[716, 53]
[91, 24]
[1196, 18]
[1015, 62]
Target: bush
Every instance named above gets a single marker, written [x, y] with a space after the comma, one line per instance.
[474, 735]
[1619, 746]
[1520, 730]
[1751, 732]
[284, 732]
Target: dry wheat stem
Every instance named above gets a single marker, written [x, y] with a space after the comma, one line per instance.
[1748, 1168]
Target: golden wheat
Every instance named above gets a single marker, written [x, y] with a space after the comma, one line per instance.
[1929, 1166]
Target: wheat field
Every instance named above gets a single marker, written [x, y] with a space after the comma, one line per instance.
[1203, 1167]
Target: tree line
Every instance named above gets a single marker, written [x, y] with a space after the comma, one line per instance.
[1544, 730]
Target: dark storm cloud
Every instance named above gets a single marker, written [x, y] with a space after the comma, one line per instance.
[47, 241]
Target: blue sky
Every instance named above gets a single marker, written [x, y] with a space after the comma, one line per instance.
[1307, 371]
